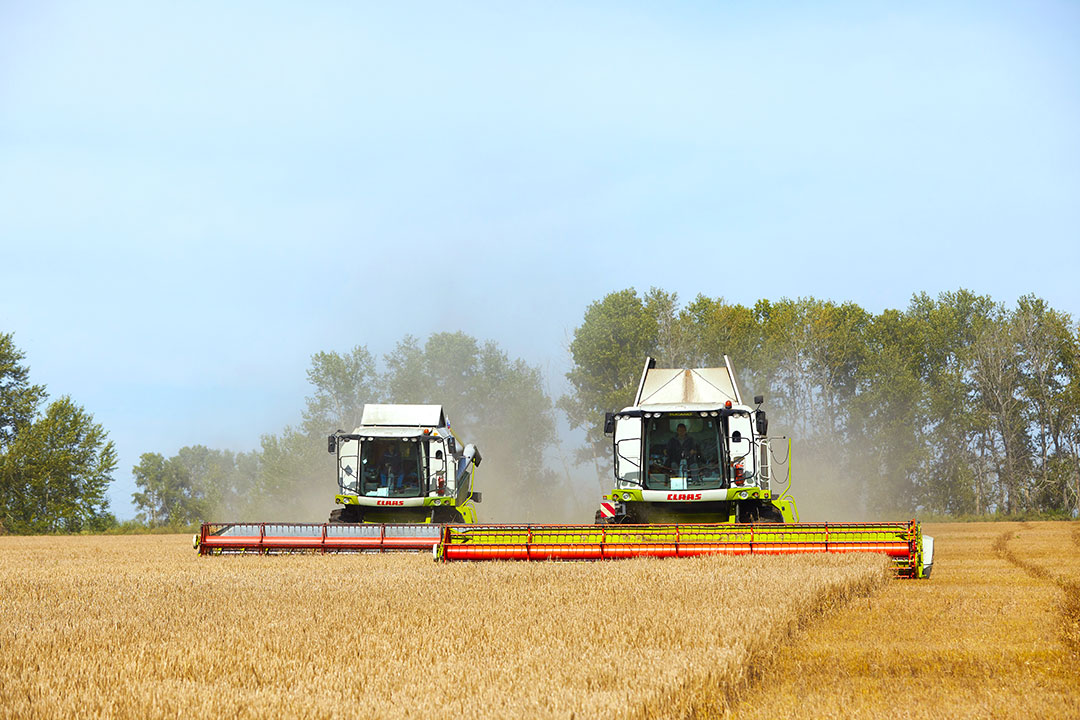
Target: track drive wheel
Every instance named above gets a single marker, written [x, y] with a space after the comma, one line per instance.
[770, 514]
[446, 515]
[747, 512]
[347, 514]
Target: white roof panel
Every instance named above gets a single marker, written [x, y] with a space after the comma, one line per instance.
[404, 415]
[387, 431]
[680, 386]
[687, 407]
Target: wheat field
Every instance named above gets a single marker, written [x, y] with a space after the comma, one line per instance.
[141, 626]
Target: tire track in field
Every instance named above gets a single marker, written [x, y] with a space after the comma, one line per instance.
[713, 699]
[1070, 604]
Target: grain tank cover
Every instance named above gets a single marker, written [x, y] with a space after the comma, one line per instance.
[403, 415]
[681, 386]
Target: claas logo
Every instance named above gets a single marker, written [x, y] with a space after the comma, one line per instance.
[684, 496]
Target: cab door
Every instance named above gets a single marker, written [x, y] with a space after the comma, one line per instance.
[627, 443]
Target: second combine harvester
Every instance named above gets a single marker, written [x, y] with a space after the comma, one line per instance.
[400, 474]
[692, 476]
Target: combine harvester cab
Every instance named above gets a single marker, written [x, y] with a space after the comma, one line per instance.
[690, 451]
[401, 474]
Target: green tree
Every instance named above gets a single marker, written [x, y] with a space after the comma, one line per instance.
[955, 475]
[676, 342]
[719, 329]
[295, 480]
[19, 400]
[197, 484]
[806, 363]
[1069, 459]
[56, 464]
[223, 480]
[996, 380]
[169, 494]
[1048, 357]
[608, 351]
[343, 383]
[56, 472]
[497, 403]
[886, 417]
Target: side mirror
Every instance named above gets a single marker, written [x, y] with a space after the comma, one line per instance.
[609, 423]
[472, 453]
[331, 444]
[762, 423]
[451, 445]
[758, 399]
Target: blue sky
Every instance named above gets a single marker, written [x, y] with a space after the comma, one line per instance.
[196, 197]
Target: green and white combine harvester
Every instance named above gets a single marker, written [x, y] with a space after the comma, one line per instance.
[404, 465]
[692, 476]
[401, 475]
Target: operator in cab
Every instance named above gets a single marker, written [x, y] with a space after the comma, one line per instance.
[390, 475]
[681, 448]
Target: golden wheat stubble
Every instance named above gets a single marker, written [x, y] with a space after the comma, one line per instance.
[983, 638]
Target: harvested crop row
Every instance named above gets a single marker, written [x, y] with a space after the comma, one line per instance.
[991, 635]
[140, 626]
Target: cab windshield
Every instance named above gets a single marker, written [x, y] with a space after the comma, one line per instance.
[683, 453]
[392, 467]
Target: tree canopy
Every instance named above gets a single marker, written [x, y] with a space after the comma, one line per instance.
[55, 462]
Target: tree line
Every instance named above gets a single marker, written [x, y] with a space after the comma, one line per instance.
[955, 406]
